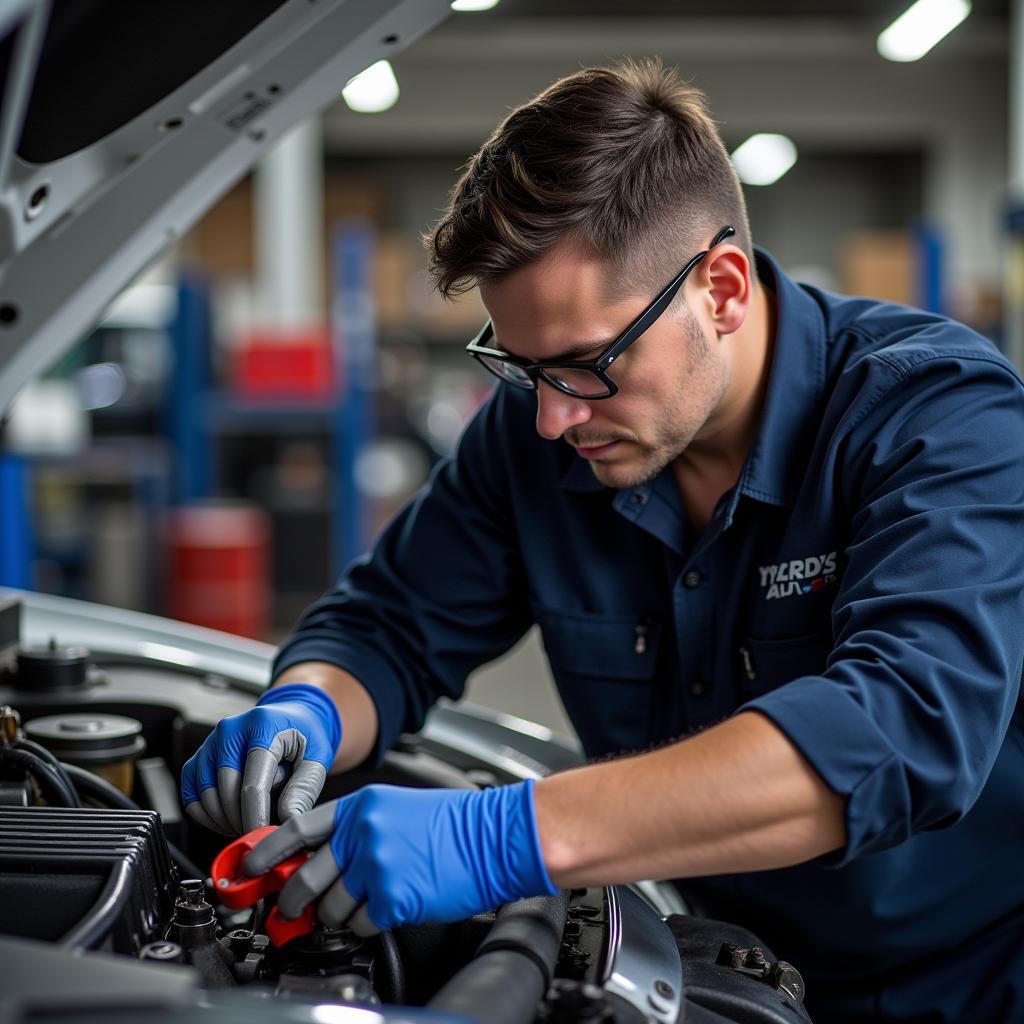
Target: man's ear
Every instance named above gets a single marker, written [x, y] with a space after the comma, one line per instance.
[725, 274]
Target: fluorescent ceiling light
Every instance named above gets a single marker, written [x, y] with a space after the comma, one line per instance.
[920, 27]
[764, 158]
[473, 5]
[373, 90]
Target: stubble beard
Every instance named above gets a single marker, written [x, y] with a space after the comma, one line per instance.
[699, 387]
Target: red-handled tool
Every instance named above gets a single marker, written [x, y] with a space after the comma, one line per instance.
[238, 891]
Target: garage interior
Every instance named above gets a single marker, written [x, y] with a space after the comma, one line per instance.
[216, 398]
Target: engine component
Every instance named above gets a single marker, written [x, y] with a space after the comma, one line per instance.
[25, 765]
[195, 930]
[10, 724]
[21, 763]
[52, 667]
[194, 922]
[730, 973]
[90, 878]
[778, 974]
[327, 964]
[105, 744]
[578, 1002]
[338, 988]
[163, 952]
[16, 792]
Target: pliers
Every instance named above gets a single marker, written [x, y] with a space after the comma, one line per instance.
[238, 891]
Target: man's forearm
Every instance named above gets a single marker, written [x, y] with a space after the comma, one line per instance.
[359, 722]
[737, 797]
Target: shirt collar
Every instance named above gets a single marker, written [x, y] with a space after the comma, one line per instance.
[795, 385]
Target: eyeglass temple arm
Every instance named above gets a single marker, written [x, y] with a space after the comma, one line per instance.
[650, 315]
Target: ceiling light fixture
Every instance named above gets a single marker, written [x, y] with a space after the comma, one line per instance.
[473, 5]
[920, 27]
[372, 91]
[764, 158]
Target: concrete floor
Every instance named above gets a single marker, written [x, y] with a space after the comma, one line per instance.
[520, 683]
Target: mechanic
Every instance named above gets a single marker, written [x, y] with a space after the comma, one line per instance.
[784, 525]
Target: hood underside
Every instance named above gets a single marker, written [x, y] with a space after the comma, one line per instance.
[121, 123]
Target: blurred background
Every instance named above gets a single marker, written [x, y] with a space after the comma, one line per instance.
[252, 410]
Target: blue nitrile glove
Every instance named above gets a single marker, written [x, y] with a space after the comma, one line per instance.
[226, 784]
[389, 855]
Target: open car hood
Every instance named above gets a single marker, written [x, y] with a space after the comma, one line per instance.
[122, 123]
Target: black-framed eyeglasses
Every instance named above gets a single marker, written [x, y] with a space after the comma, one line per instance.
[582, 378]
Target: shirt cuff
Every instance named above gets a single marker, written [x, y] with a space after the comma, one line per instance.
[373, 671]
[853, 757]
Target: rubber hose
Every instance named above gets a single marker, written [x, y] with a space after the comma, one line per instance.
[35, 766]
[516, 959]
[96, 925]
[393, 970]
[24, 743]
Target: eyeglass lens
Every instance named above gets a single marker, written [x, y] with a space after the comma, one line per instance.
[582, 383]
[507, 371]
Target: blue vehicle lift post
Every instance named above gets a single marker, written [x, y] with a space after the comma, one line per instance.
[16, 543]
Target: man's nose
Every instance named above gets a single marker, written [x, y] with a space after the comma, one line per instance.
[557, 411]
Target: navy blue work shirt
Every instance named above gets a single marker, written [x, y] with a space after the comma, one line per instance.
[862, 585]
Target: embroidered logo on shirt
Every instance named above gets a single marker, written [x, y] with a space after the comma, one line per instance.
[798, 576]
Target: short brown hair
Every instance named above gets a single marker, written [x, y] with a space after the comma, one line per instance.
[625, 161]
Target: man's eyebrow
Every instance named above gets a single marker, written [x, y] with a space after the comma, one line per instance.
[578, 351]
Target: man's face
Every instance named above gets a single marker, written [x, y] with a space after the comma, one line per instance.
[671, 380]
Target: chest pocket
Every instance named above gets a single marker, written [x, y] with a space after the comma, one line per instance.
[767, 664]
[604, 666]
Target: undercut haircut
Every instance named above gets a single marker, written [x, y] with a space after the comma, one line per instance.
[624, 162]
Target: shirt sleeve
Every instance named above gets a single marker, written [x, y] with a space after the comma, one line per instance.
[441, 592]
[909, 715]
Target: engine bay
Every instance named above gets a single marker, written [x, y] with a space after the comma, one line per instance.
[109, 906]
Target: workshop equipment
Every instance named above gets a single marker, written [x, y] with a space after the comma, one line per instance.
[219, 567]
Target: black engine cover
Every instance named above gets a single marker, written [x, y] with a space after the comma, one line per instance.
[56, 862]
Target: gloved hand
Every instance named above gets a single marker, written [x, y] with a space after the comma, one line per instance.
[226, 784]
[389, 855]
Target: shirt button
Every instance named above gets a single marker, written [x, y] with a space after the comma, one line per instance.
[638, 498]
[698, 689]
[692, 579]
